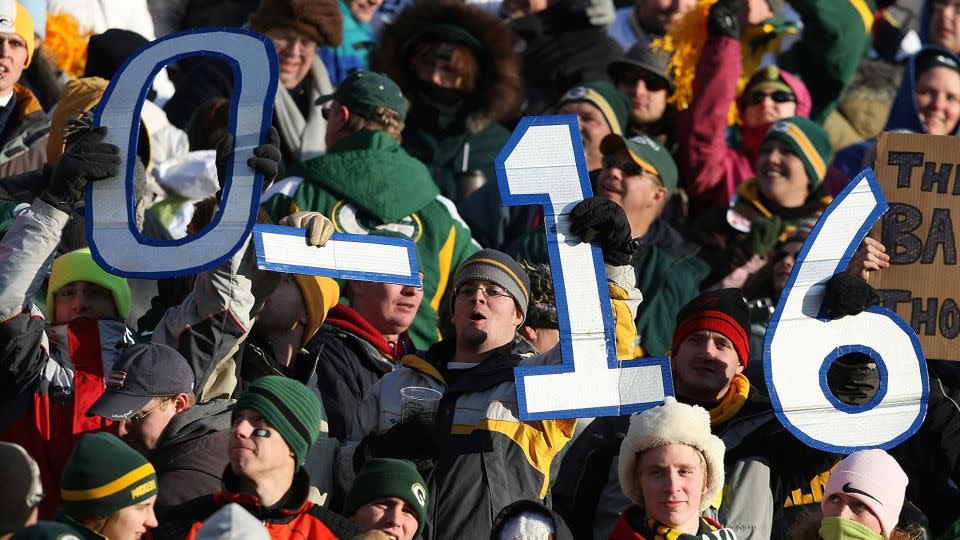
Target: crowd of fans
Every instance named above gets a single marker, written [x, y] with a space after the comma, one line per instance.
[245, 403]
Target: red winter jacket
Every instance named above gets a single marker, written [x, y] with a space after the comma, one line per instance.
[711, 169]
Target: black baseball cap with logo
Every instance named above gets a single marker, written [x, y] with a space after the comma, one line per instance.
[140, 373]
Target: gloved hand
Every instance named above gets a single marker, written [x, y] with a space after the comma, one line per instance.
[723, 19]
[266, 157]
[605, 221]
[87, 158]
[319, 228]
[406, 440]
[764, 235]
[848, 295]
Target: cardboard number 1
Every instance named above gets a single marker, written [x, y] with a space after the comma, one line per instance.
[801, 343]
[115, 242]
[543, 164]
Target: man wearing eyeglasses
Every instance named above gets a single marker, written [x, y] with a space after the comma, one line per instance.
[150, 398]
[481, 455]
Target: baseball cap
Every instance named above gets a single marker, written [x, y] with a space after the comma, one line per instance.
[140, 373]
[647, 154]
[363, 91]
[642, 57]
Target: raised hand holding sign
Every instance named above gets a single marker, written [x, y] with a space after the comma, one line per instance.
[543, 164]
[119, 247]
[801, 342]
[115, 242]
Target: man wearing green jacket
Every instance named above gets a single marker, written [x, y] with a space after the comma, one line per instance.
[638, 174]
[366, 181]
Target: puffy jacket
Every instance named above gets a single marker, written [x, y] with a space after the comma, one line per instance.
[47, 380]
[192, 453]
[50, 380]
[352, 356]
[395, 193]
[294, 517]
[486, 458]
[23, 141]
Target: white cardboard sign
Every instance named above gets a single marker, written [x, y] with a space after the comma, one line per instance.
[801, 343]
[543, 164]
[345, 256]
[115, 242]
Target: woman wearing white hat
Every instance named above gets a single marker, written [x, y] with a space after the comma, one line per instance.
[671, 467]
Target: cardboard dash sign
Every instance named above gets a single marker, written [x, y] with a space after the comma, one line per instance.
[920, 177]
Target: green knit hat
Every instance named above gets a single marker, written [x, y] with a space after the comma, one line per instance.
[79, 266]
[104, 475]
[290, 407]
[605, 97]
[382, 477]
[809, 141]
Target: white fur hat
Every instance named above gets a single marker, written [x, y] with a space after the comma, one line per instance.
[671, 423]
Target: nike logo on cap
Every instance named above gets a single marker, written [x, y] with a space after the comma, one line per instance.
[848, 489]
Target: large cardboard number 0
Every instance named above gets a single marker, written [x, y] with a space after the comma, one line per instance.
[801, 343]
[116, 243]
[543, 164]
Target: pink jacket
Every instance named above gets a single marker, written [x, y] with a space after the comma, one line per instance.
[711, 169]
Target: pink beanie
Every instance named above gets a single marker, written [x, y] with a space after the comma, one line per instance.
[875, 479]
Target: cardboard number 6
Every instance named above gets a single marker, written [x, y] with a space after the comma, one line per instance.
[801, 343]
[543, 164]
[115, 242]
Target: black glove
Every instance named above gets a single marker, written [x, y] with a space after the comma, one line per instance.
[605, 221]
[848, 295]
[407, 440]
[724, 19]
[764, 235]
[87, 158]
[266, 157]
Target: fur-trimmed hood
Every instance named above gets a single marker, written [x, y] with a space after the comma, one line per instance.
[499, 85]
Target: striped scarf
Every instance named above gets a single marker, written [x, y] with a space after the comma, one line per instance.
[709, 530]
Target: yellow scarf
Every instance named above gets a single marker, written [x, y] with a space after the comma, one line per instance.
[732, 402]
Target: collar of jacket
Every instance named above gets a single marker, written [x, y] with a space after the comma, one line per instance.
[748, 194]
[293, 503]
[347, 318]
[84, 532]
[394, 185]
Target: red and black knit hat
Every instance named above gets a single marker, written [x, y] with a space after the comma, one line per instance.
[723, 311]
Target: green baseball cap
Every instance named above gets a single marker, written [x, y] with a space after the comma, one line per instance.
[646, 153]
[363, 91]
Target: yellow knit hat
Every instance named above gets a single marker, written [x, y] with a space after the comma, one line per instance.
[319, 295]
[79, 266]
[15, 19]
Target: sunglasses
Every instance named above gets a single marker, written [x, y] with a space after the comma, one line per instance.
[652, 82]
[628, 168]
[778, 96]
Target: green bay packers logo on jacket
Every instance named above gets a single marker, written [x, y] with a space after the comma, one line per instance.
[348, 218]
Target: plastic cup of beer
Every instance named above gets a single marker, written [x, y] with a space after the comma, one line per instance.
[419, 404]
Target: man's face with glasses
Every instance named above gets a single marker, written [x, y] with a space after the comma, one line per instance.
[485, 315]
[143, 430]
[765, 106]
[945, 24]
